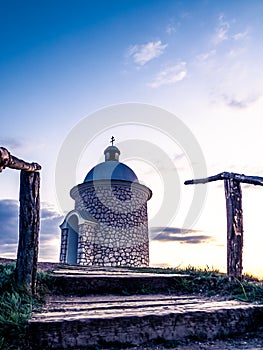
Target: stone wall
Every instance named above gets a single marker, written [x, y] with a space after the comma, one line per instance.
[86, 244]
[64, 244]
[121, 236]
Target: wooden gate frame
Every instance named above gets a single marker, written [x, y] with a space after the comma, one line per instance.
[29, 218]
[233, 195]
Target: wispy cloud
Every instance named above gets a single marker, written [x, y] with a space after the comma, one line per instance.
[227, 69]
[222, 29]
[170, 75]
[142, 54]
[8, 221]
[171, 234]
[49, 230]
[240, 103]
[175, 23]
[235, 53]
[13, 144]
[241, 35]
[202, 57]
[170, 29]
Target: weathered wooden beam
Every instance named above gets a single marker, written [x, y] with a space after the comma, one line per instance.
[7, 160]
[27, 254]
[233, 196]
[205, 180]
[253, 180]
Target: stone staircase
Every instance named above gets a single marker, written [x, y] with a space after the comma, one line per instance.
[85, 310]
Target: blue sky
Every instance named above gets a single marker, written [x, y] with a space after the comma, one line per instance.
[61, 61]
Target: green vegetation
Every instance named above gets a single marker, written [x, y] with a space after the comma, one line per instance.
[210, 282]
[15, 309]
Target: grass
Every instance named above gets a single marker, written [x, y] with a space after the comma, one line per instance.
[15, 309]
[211, 282]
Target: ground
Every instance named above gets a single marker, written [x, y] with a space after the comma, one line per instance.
[246, 342]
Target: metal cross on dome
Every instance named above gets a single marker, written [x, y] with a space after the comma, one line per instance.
[112, 140]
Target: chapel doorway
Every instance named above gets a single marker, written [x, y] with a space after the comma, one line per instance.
[72, 246]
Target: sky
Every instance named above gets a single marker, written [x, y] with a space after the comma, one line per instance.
[67, 66]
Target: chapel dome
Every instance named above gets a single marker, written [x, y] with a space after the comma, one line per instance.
[111, 169]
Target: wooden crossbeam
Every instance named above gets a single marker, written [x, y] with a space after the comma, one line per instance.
[253, 180]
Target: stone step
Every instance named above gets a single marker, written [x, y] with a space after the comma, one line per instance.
[81, 282]
[80, 322]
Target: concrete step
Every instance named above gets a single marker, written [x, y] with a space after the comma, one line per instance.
[82, 322]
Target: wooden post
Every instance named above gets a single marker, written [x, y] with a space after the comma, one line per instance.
[27, 254]
[234, 228]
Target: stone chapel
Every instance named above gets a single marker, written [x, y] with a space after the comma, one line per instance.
[109, 225]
